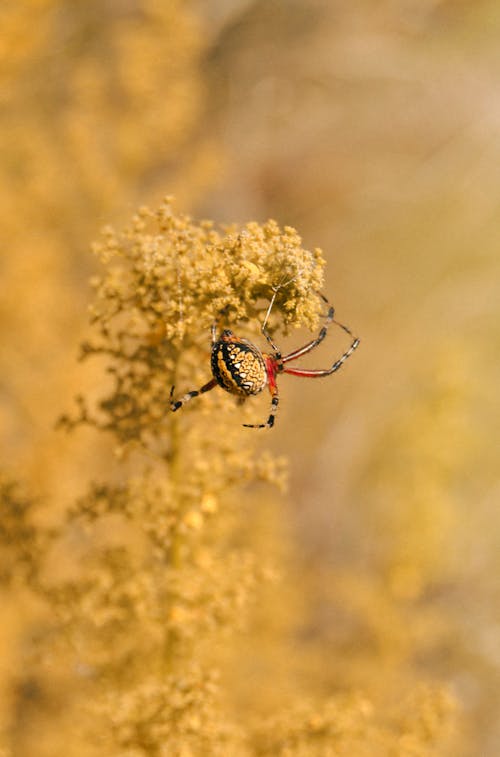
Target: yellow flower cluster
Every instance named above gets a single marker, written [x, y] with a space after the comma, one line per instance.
[167, 279]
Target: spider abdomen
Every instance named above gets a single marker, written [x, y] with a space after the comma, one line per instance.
[238, 365]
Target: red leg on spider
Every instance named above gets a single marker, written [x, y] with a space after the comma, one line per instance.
[271, 370]
[307, 347]
[315, 342]
[318, 373]
[190, 395]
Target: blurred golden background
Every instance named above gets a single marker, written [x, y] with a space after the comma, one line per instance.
[374, 130]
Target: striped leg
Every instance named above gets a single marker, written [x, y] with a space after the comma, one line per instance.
[270, 421]
[175, 405]
[318, 373]
[315, 342]
[274, 404]
[263, 328]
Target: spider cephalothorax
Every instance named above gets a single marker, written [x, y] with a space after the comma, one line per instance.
[239, 367]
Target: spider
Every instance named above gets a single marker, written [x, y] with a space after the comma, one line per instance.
[239, 367]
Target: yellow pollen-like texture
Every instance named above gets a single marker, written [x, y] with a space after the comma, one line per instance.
[239, 368]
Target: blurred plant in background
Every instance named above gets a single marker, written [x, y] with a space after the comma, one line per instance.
[100, 106]
[155, 595]
[374, 129]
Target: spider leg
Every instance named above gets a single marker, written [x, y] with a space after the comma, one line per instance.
[314, 342]
[175, 405]
[274, 406]
[216, 322]
[263, 327]
[271, 368]
[215, 325]
[323, 332]
[317, 373]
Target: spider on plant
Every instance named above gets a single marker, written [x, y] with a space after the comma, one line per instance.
[239, 367]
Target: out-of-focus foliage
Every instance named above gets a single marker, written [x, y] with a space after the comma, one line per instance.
[158, 597]
[99, 106]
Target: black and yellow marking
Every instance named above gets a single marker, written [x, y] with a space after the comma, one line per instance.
[238, 366]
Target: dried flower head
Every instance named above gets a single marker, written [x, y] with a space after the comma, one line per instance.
[167, 278]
